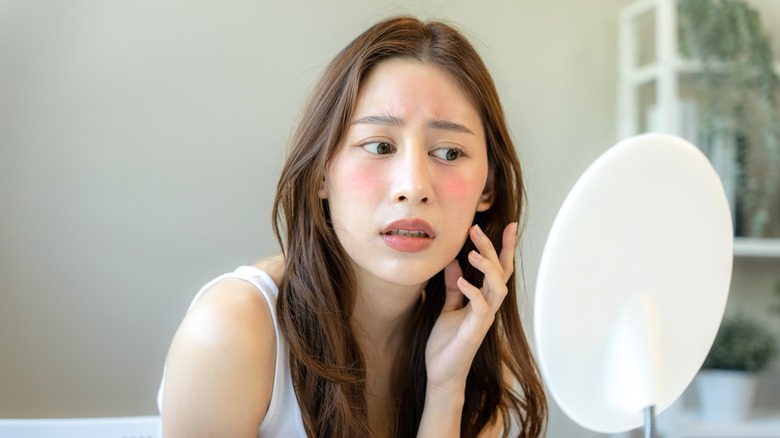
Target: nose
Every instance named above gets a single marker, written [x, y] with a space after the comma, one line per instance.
[412, 179]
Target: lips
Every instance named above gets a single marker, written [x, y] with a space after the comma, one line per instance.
[409, 228]
[408, 235]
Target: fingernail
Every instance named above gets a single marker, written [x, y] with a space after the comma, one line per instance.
[479, 230]
[476, 255]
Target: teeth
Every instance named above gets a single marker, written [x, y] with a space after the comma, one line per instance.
[407, 233]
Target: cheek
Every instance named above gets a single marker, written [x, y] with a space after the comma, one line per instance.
[356, 182]
[463, 187]
[458, 187]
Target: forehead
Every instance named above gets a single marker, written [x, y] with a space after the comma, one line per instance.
[413, 87]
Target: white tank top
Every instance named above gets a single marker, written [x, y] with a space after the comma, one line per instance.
[283, 418]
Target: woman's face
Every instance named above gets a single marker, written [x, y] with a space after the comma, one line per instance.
[409, 174]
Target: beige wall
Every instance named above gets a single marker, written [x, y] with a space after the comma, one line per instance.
[140, 142]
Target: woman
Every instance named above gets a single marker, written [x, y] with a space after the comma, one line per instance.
[392, 311]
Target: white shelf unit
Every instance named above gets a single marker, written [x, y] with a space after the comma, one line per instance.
[662, 70]
[759, 425]
[664, 73]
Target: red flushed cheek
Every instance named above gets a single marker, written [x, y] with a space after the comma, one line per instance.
[461, 187]
[456, 187]
[364, 182]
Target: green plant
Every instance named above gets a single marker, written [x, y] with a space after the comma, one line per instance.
[739, 90]
[776, 307]
[742, 344]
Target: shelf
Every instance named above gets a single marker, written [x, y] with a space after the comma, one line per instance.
[754, 247]
[650, 88]
[766, 425]
[649, 72]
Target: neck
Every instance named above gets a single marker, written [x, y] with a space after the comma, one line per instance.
[379, 319]
[381, 314]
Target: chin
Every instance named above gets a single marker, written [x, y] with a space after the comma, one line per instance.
[411, 273]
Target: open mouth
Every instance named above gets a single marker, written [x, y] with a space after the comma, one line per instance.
[407, 233]
[409, 228]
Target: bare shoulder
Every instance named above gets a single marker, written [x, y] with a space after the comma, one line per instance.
[273, 266]
[219, 370]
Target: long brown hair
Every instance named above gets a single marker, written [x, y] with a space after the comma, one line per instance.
[317, 290]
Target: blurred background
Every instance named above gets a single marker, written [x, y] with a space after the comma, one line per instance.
[141, 141]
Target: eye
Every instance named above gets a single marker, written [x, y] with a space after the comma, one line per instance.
[448, 154]
[378, 147]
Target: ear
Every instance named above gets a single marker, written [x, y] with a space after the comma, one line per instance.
[323, 192]
[489, 193]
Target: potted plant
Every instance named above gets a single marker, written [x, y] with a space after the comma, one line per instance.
[739, 104]
[726, 383]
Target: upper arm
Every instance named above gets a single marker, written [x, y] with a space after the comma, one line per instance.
[220, 367]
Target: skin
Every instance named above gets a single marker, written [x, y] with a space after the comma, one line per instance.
[397, 161]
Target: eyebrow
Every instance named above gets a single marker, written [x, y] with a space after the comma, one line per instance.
[384, 119]
[388, 120]
[448, 125]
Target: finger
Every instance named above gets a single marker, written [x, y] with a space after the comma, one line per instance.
[484, 244]
[507, 256]
[494, 287]
[506, 260]
[476, 299]
[453, 298]
[498, 292]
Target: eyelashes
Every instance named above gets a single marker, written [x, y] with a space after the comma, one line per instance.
[381, 147]
[447, 154]
[378, 147]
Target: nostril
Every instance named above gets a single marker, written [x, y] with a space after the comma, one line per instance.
[404, 198]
